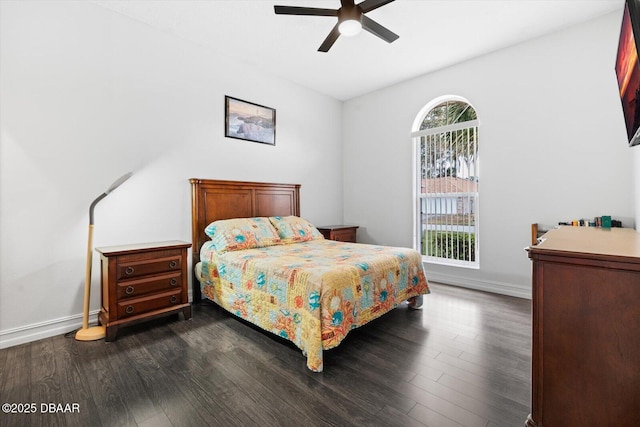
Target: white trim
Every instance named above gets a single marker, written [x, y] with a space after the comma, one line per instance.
[431, 105]
[46, 329]
[475, 265]
[447, 128]
[481, 285]
[415, 164]
[49, 328]
[452, 194]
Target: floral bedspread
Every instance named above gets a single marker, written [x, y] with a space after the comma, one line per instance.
[312, 293]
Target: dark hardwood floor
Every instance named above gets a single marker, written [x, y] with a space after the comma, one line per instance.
[464, 360]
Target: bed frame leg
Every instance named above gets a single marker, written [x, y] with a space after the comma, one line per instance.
[415, 303]
[196, 294]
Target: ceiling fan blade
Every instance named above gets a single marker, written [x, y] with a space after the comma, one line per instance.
[368, 5]
[296, 10]
[330, 40]
[376, 29]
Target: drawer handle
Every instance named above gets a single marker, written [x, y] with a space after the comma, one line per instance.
[173, 264]
[129, 290]
[174, 299]
[129, 271]
[129, 309]
[173, 281]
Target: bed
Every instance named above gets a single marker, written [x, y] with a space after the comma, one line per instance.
[254, 256]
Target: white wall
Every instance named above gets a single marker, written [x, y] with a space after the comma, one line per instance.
[88, 95]
[552, 148]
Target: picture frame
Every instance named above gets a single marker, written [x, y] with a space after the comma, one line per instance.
[628, 70]
[249, 121]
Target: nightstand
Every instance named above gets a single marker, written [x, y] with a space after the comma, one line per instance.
[341, 233]
[142, 282]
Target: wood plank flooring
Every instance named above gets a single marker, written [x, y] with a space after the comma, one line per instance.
[463, 360]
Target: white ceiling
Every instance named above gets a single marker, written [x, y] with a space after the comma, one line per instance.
[433, 34]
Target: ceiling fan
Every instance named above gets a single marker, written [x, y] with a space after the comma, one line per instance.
[351, 19]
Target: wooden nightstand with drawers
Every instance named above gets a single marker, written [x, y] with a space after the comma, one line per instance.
[142, 282]
[341, 233]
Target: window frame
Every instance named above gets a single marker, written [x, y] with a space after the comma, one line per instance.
[416, 137]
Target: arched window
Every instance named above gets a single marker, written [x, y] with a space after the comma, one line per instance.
[445, 137]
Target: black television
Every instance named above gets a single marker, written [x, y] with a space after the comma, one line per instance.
[628, 69]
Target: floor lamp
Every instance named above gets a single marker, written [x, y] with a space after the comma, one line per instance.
[95, 332]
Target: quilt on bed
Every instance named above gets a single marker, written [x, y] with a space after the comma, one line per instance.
[311, 293]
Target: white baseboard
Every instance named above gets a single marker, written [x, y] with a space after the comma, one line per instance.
[49, 328]
[481, 285]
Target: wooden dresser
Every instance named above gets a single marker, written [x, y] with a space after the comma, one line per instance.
[141, 282]
[586, 328]
[342, 233]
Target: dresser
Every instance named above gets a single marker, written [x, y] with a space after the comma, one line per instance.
[586, 328]
[342, 233]
[142, 282]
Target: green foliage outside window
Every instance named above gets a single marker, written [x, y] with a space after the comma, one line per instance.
[448, 112]
[449, 244]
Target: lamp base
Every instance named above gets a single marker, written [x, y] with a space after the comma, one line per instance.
[91, 334]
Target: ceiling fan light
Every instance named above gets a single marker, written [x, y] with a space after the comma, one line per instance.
[350, 27]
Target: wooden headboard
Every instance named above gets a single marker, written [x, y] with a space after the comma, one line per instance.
[212, 200]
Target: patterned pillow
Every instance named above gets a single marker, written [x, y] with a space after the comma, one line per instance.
[242, 233]
[293, 229]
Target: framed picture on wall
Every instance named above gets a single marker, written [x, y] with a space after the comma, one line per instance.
[249, 121]
[628, 69]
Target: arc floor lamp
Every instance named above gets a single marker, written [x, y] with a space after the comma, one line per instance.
[96, 332]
